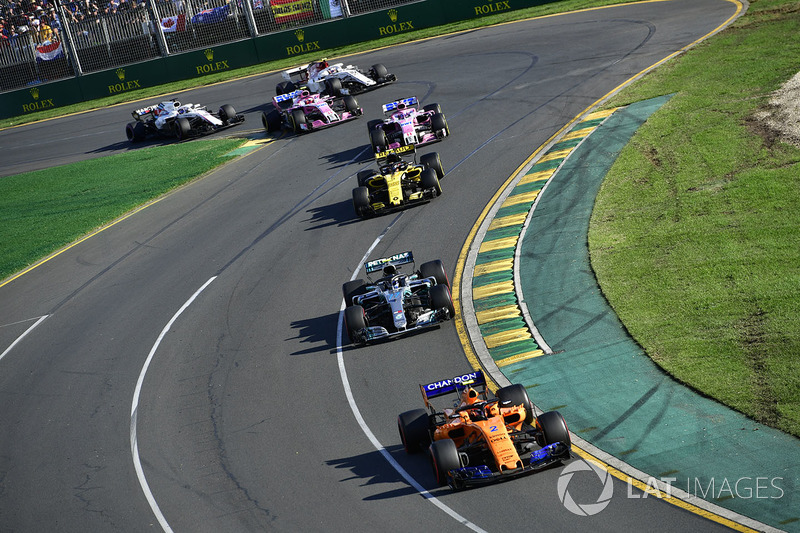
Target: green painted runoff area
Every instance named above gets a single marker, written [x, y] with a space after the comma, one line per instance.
[609, 391]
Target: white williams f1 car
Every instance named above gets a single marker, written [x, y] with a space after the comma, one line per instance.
[396, 303]
[173, 119]
[337, 79]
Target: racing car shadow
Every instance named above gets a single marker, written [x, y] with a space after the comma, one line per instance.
[372, 469]
[340, 159]
[320, 332]
[126, 145]
[340, 213]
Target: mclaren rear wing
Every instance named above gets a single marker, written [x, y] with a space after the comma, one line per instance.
[452, 385]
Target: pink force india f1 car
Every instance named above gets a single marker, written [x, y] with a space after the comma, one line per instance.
[302, 111]
[483, 439]
[405, 125]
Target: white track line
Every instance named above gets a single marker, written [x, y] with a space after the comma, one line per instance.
[137, 463]
[365, 428]
[41, 319]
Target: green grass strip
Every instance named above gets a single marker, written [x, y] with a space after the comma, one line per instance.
[44, 210]
[694, 237]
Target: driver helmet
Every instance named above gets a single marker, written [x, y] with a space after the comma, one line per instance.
[469, 396]
[389, 270]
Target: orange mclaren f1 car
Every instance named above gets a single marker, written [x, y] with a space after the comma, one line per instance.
[482, 440]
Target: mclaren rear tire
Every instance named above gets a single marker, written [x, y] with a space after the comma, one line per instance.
[517, 395]
[414, 427]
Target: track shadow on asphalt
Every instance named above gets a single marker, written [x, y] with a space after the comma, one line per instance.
[126, 146]
[359, 155]
[319, 332]
[371, 468]
[338, 214]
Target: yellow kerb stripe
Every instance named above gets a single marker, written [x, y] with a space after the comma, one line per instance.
[542, 175]
[511, 220]
[494, 266]
[527, 197]
[506, 337]
[600, 114]
[578, 134]
[498, 313]
[558, 154]
[498, 244]
[503, 287]
[519, 357]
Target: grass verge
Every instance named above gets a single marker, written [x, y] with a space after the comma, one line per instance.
[694, 234]
[44, 210]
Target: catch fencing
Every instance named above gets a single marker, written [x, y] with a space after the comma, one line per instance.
[81, 37]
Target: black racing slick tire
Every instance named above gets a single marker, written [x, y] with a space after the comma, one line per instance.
[361, 203]
[271, 120]
[284, 87]
[432, 160]
[333, 86]
[354, 320]
[351, 104]
[435, 269]
[135, 131]
[415, 430]
[351, 289]
[298, 118]
[372, 123]
[441, 299]
[428, 180]
[516, 395]
[554, 428]
[377, 139]
[439, 125]
[182, 128]
[379, 72]
[436, 108]
[444, 458]
[364, 176]
[227, 113]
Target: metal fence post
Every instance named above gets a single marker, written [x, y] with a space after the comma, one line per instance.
[250, 18]
[160, 39]
[69, 40]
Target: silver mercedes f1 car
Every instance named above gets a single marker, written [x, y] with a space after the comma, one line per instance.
[396, 303]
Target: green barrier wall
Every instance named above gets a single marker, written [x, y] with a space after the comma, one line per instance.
[198, 63]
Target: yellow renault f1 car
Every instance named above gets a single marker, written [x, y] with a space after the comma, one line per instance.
[398, 183]
[482, 440]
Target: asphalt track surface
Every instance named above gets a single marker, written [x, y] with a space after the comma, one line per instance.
[242, 420]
